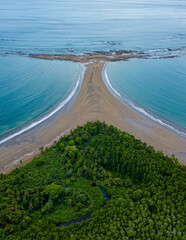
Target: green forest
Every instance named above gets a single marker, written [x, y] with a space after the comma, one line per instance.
[146, 190]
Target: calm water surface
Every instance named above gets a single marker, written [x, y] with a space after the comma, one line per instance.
[80, 25]
[158, 85]
[31, 87]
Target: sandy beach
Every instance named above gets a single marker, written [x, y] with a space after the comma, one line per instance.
[93, 102]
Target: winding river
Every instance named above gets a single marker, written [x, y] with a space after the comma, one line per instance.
[78, 220]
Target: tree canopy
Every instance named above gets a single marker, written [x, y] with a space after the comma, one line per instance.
[145, 187]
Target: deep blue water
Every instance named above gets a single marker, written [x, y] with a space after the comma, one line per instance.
[31, 87]
[158, 85]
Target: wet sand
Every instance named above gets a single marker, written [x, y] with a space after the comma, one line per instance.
[92, 57]
[93, 102]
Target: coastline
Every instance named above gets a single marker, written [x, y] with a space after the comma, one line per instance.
[110, 56]
[93, 102]
[141, 109]
[48, 114]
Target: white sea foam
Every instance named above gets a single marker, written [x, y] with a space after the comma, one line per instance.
[107, 79]
[141, 110]
[62, 104]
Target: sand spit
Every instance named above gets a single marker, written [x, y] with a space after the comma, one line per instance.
[93, 102]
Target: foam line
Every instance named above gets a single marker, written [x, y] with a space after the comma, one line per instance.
[141, 110]
[107, 79]
[34, 124]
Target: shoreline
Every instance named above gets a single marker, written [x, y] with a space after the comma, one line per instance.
[110, 56]
[40, 119]
[93, 102]
[180, 131]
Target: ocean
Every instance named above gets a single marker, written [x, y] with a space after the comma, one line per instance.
[153, 87]
[44, 26]
[31, 89]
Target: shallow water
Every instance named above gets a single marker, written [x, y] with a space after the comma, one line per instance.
[155, 85]
[31, 87]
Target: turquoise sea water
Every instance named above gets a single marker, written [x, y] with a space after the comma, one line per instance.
[30, 88]
[156, 86]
